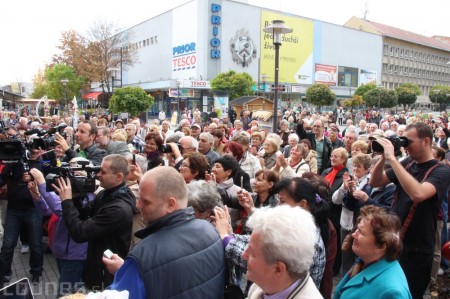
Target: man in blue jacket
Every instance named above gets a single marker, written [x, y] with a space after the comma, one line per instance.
[179, 256]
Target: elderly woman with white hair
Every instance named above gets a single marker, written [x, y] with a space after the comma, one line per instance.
[293, 140]
[284, 132]
[203, 197]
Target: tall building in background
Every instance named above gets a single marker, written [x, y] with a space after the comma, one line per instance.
[409, 57]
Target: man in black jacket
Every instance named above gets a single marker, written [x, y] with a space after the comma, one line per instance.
[110, 222]
[85, 138]
[319, 142]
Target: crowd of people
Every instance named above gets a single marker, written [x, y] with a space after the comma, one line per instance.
[217, 206]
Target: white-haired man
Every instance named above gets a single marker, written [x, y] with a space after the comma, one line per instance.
[280, 253]
[205, 146]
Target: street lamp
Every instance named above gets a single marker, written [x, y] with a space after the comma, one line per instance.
[178, 101]
[64, 82]
[277, 28]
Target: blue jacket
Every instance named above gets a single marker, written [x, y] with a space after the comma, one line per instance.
[382, 280]
[63, 246]
[179, 257]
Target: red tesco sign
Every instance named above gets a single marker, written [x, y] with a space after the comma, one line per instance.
[188, 60]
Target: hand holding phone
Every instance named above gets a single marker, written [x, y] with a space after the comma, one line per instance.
[108, 254]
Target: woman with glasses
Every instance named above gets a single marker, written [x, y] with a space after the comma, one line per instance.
[194, 167]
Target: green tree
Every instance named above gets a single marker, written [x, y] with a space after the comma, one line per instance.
[355, 101]
[51, 83]
[407, 94]
[133, 100]
[320, 95]
[440, 94]
[380, 97]
[235, 84]
[360, 91]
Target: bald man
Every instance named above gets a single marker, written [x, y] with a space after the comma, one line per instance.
[170, 260]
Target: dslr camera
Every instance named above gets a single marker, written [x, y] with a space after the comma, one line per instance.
[166, 148]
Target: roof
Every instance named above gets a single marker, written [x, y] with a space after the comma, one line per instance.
[247, 99]
[262, 114]
[92, 95]
[405, 35]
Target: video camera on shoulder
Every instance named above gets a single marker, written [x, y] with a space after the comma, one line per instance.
[80, 183]
[46, 138]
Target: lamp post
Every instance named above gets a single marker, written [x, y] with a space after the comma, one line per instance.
[64, 82]
[178, 101]
[277, 28]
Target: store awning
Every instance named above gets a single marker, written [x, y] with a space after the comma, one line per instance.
[91, 95]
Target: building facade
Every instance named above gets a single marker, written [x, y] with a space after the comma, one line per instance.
[182, 50]
[408, 57]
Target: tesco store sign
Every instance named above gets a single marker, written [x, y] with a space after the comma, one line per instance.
[184, 57]
[196, 84]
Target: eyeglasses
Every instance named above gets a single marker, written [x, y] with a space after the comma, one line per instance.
[185, 165]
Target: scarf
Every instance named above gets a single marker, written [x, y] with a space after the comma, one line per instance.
[332, 175]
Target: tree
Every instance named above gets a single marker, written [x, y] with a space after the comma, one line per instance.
[355, 101]
[320, 95]
[407, 94]
[440, 94]
[380, 97]
[235, 84]
[50, 83]
[104, 47]
[360, 91]
[133, 100]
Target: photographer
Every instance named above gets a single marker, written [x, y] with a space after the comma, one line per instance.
[70, 255]
[20, 212]
[421, 187]
[85, 138]
[110, 220]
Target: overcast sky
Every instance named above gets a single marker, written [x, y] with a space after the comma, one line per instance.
[30, 29]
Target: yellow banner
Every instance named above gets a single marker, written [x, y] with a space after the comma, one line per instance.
[296, 51]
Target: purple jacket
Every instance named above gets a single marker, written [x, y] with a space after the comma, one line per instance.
[63, 246]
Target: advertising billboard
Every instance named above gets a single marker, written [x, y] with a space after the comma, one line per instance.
[296, 51]
[184, 42]
[325, 74]
[367, 77]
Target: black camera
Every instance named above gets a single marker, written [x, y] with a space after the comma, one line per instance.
[166, 148]
[396, 141]
[46, 138]
[80, 184]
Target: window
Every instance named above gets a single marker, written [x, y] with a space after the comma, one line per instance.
[401, 53]
[396, 52]
[347, 76]
[391, 50]
[385, 49]
[390, 69]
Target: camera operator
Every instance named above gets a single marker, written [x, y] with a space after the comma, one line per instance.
[110, 221]
[85, 138]
[422, 184]
[21, 212]
[70, 255]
